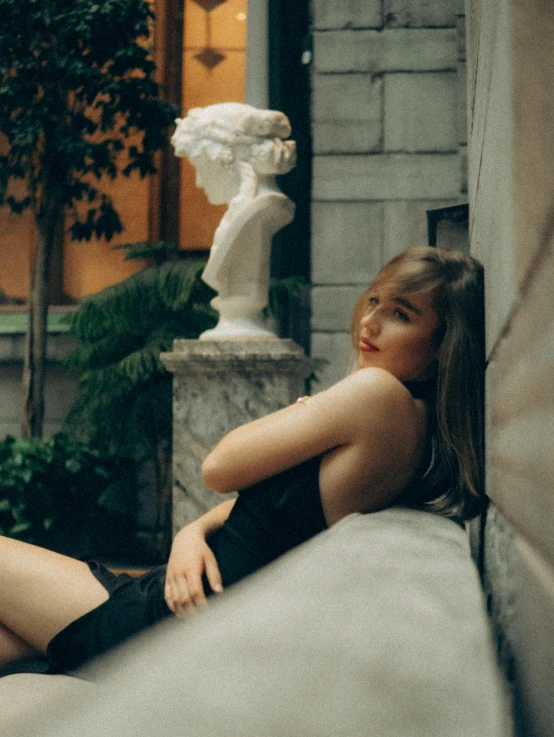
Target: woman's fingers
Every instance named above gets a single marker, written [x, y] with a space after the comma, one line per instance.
[177, 596]
[184, 587]
[212, 573]
[196, 591]
[171, 597]
[184, 592]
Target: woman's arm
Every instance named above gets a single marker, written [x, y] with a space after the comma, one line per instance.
[190, 558]
[370, 407]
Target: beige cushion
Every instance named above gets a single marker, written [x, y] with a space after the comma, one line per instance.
[375, 627]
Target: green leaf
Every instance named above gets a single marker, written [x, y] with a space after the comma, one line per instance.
[73, 465]
[17, 529]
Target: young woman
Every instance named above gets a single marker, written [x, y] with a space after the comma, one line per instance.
[404, 428]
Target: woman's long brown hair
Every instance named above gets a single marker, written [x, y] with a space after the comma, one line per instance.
[453, 483]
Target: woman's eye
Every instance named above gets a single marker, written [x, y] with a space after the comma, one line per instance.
[401, 315]
[372, 300]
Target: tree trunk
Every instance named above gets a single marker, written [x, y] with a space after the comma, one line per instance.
[35, 345]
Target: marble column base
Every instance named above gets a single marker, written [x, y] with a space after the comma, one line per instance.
[218, 385]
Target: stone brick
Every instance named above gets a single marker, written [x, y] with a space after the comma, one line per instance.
[6, 348]
[461, 100]
[14, 429]
[463, 165]
[346, 97]
[421, 112]
[393, 50]
[332, 307]
[12, 347]
[60, 393]
[60, 390]
[461, 34]
[347, 113]
[346, 242]
[328, 14]
[11, 396]
[415, 14]
[405, 224]
[60, 345]
[386, 177]
[346, 138]
[334, 349]
[19, 347]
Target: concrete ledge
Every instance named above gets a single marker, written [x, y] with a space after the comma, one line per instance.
[375, 627]
[24, 693]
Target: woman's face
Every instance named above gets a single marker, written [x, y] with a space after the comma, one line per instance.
[398, 333]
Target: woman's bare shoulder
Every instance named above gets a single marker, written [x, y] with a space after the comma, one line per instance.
[374, 400]
[375, 386]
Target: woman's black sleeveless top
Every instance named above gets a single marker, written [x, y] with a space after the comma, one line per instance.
[275, 515]
[268, 519]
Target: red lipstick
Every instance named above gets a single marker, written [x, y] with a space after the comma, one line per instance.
[366, 345]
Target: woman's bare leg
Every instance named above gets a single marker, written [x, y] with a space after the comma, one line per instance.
[41, 592]
[13, 648]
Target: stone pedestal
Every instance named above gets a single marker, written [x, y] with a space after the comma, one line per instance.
[218, 385]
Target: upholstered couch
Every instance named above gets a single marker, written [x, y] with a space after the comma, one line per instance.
[375, 627]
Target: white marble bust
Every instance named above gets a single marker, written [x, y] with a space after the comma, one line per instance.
[237, 150]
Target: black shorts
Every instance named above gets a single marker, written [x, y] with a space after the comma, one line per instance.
[134, 605]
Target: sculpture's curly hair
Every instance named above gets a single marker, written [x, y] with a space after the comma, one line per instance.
[230, 132]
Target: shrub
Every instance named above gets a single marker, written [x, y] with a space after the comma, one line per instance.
[60, 494]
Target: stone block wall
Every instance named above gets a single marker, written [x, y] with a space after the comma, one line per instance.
[60, 389]
[511, 189]
[389, 137]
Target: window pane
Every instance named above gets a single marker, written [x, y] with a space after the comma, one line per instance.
[221, 31]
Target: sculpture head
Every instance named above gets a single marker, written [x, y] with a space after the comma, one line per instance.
[217, 138]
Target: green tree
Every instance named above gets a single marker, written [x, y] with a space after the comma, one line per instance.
[78, 101]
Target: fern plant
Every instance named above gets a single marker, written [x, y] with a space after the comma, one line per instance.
[122, 331]
[124, 401]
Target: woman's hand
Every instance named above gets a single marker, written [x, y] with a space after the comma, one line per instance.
[190, 558]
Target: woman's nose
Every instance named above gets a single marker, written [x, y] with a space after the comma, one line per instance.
[371, 322]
